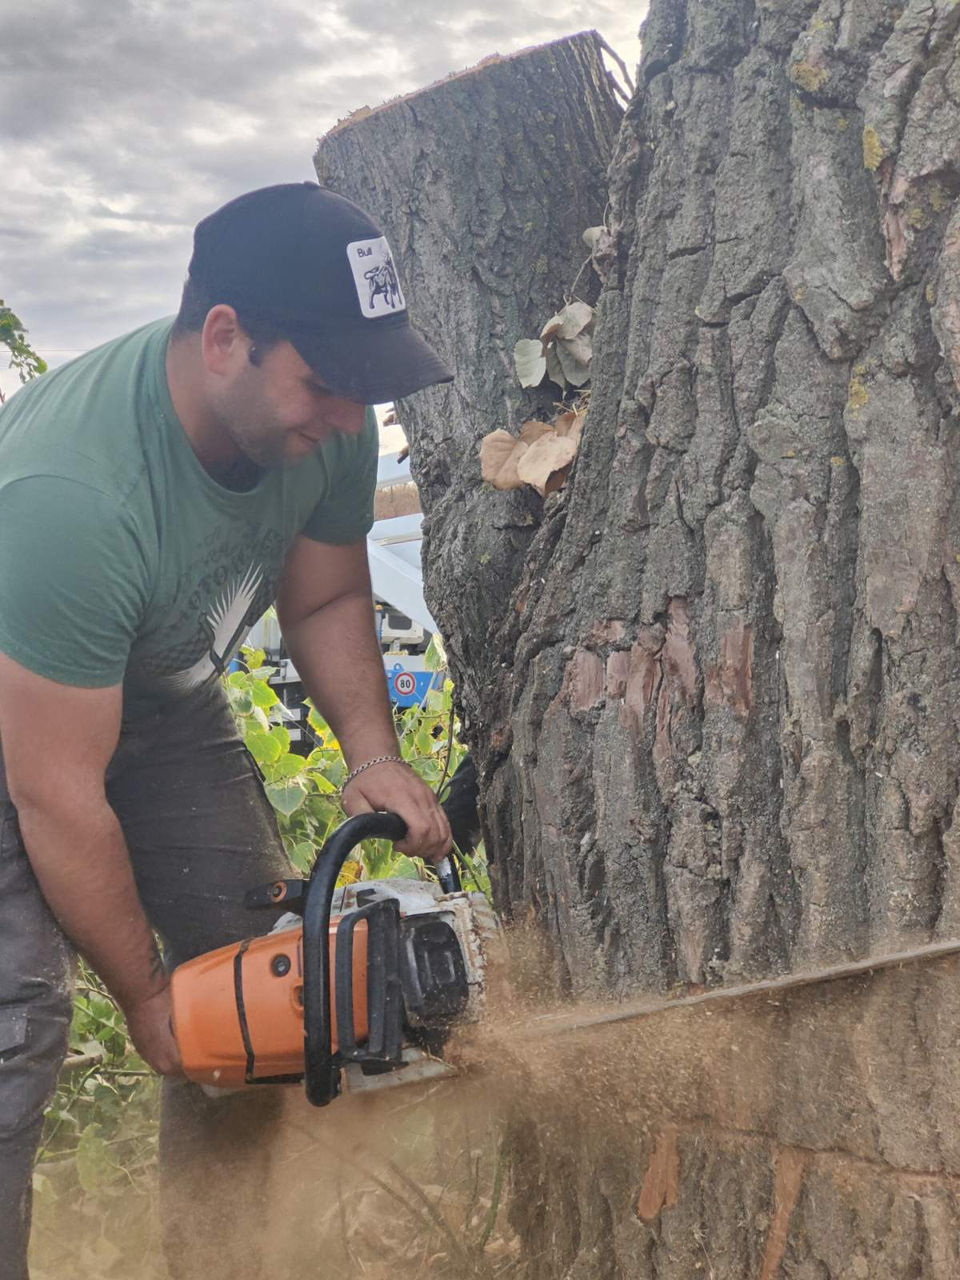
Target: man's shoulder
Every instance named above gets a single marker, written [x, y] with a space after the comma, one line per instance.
[127, 347]
[84, 419]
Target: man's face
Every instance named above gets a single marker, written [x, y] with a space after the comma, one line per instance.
[277, 411]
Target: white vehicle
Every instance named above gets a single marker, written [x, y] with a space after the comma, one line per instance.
[399, 632]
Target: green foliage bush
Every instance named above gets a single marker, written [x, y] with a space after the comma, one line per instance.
[305, 790]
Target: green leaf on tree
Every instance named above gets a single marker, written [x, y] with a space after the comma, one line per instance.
[262, 695]
[288, 766]
[261, 744]
[530, 362]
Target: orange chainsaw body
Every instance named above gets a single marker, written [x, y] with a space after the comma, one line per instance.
[370, 991]
[238, 1011]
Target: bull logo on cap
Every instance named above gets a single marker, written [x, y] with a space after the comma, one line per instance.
[382, 280]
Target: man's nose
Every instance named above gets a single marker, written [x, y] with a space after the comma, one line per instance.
[344, 415]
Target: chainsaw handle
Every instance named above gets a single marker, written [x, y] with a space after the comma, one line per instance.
[321, 1072]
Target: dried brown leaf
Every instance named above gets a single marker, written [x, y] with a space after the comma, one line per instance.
[554, 371]
[530, 363]
[552, 327]
[575, 316]
[569, 321]
[545, 457]
[533, 429]
[570, 425]
[556, 481]
[574, 356]
[499, 454]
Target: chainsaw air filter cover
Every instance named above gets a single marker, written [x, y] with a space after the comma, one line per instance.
[435, 988]
[238, 1011]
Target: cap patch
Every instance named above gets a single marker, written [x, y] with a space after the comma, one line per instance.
[375, 278]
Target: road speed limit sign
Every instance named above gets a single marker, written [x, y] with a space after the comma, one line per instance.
[404, 684]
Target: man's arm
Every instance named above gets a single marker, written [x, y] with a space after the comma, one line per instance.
[75, 845]
[325, 607]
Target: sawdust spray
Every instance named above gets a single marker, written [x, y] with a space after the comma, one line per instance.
[445, 1179]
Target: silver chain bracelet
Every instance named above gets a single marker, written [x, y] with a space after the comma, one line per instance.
[369, 765]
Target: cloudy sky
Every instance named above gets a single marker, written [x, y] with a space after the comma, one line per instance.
[123, 122]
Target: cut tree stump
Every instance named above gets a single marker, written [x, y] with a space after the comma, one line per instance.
[484, 184]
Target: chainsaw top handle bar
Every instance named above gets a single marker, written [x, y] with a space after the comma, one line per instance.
[321, 1071]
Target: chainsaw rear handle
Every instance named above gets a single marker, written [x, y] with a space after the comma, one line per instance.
[321, 1068]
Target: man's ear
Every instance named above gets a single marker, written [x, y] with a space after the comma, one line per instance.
[223, 344]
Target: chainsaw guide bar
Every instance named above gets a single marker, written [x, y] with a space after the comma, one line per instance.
[556, 1024]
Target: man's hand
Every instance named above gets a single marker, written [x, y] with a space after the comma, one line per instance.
[152, 1033]
[397, 789]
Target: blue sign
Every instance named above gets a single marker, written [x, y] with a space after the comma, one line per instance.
[406, 688]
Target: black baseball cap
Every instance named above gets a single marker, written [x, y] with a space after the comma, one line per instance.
[316, 270]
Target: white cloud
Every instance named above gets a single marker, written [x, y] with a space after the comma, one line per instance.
[124, 123]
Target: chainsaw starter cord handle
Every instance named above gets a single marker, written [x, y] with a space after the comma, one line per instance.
[448, 873]
[321, 1072]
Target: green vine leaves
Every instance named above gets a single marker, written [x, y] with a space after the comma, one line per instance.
[23, 358]
[305, 789]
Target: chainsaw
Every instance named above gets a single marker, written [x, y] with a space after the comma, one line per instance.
[355, 987]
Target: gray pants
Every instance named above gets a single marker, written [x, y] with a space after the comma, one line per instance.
[200, 832]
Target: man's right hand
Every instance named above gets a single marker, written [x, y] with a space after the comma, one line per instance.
[151, 1031]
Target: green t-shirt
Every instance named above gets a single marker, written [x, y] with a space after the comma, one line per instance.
[120, 557]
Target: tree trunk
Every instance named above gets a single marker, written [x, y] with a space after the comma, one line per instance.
[718, 715]
[735, 695]
[484, 184]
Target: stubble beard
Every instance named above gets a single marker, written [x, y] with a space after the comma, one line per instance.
[259, 440]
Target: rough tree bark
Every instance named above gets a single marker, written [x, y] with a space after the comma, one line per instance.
[734, 631]
[741, 651]
[718, 715]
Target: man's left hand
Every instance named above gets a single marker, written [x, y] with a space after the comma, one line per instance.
[395, 787]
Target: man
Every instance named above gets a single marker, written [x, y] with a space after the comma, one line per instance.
[155, 496]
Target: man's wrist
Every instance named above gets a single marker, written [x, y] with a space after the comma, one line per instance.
[130, 994]
[369, 764]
